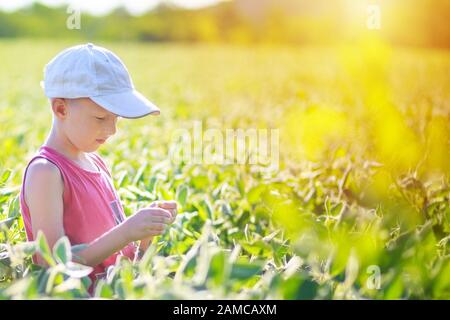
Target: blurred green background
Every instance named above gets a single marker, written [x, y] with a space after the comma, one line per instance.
[364, 122]
[404, 22]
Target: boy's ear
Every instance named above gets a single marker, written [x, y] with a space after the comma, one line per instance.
[59, 107]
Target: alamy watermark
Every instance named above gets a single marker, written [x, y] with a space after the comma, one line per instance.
[373, 21]
[251, 146]
[74, 19]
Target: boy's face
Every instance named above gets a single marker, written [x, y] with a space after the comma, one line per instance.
[85, 123]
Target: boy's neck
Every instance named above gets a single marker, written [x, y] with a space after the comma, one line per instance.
[64, 146]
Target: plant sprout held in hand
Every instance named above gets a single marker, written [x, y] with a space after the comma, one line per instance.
[169, 206]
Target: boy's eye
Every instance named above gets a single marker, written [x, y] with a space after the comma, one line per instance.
[100, 118]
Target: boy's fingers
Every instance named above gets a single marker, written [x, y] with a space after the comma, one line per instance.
[168, 209]
[160, 219]
[159, 212]
[167, 204]
[158, 226]
[166, 212]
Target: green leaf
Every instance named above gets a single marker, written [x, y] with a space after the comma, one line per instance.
[119, 289]
[14, 207]
[9, 191]
[152, 184]
[245, 270]
[27, 248]
[77, 270]
[78, 247]
[241, 186]
[103, 290]
[254, 194]
[62, 251]
[140, 173]
[127, 194]
[337, 208]
[256, 248]
[140, 193]
[299, 287]
[218, 268]
[200, 182]
[86, 282]
[5, 176]
[7, 222]
[204, 210]
[182, 194]
[121, 178]
[44, 249]
[243, 219]
[51, 280]
[207, 207]
[271, 236]
[226, 210]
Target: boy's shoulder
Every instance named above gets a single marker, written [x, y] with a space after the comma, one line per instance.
[42, 174]
[43, 168]
[42, 165]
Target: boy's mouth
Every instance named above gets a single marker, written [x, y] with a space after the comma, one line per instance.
[101, 141]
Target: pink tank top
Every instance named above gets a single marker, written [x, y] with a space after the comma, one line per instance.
[91, 204]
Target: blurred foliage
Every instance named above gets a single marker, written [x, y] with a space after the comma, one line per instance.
[363, 183]
[403, 22]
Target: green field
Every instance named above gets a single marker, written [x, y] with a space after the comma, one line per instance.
[359, 207]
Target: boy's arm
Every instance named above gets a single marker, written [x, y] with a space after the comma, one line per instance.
[103, 247]
[46, 210]
[45, 203]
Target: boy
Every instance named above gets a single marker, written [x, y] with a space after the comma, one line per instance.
[66, 187]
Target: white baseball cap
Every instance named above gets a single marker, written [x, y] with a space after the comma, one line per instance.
[91, 71]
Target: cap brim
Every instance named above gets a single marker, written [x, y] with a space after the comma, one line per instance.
[130, 104]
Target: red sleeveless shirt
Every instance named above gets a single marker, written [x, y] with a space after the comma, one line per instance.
[91, 204]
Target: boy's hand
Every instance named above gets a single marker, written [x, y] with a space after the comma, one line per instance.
[147, 222]
[169, 205]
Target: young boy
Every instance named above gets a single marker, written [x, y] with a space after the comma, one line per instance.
[66, 187]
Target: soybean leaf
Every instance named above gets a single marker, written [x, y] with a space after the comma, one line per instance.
[78, 247]
[14, 207]
[245, 270]
[182, 194]
[61, 250]
[218, 268]
[77, 270]
[7, 222]
[44, 249]
[255, 193]
[5, 176]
